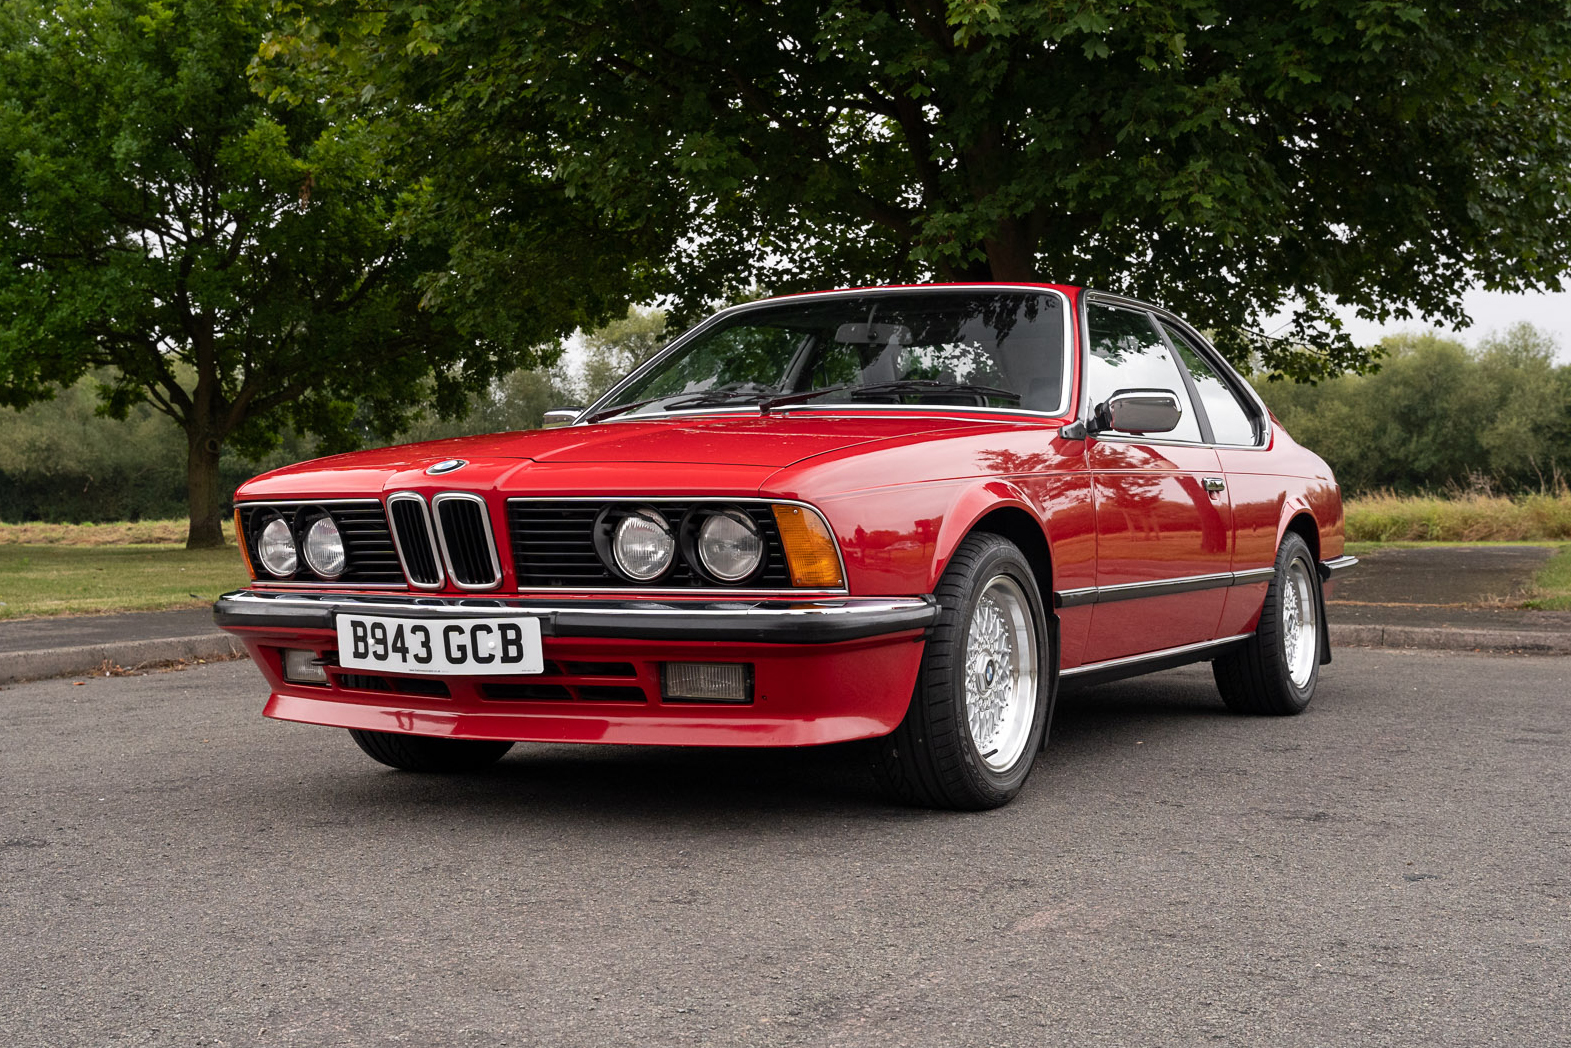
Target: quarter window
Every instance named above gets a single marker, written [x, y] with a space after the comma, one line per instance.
[1127, 352]
[1230, 422]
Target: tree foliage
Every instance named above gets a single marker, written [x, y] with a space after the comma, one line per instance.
[1226, 157]
[613, 350]
[231, 261]
[63, 461]
[1439, 414]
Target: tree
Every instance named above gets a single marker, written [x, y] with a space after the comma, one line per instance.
[612, 351]
[231, 260]
[1439, 414]
[1226, 157]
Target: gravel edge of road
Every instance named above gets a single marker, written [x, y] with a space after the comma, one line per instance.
[1451, 638]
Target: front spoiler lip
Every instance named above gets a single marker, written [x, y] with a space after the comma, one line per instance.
[823, 621]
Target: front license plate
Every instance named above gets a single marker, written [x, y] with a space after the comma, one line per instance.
[472, 647]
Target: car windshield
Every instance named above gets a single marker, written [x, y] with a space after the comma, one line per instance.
[986, 349]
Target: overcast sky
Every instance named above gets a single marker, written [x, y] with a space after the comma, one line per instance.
[1491, 311]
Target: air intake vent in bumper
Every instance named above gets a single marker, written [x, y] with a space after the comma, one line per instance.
[464, 533]
[416, 541]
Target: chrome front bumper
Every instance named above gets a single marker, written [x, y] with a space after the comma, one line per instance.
[766, 621]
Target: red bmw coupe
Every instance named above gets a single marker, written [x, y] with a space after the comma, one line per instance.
[896, 514]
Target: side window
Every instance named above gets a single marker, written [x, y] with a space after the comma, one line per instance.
[1127, 352]
[1230, 423]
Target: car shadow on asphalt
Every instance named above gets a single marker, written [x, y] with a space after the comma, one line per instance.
[637, 784]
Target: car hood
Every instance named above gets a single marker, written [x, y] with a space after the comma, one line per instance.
[734, 445]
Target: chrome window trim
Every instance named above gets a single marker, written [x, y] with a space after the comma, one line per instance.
[1067, 377]
[272, 583]
[1184, 396]
[441, 537]
[1202, 344]
[430, 531]
[740, 592]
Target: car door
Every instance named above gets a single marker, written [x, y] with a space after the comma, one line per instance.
[1257, 490]
[1163, 519]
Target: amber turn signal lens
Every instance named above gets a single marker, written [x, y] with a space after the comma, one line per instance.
[809, 548]
[245, 549]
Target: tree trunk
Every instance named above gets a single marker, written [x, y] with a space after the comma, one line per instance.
[203, 490]
[1011, 253]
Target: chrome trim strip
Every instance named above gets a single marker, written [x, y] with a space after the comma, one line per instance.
[430, 534]
[645, 591]
[1244, 578]
[681, 340]
[767, 621]
[1329, 569]
[1072, 598]
[1152, 656]
[306, 500]
[485, 520]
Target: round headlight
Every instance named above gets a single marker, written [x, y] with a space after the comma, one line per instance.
[324, 548]
[276, 548]
[730, 546]
[643, 545]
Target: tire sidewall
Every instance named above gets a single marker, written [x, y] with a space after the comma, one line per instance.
[1000, 557]
[1293, 548]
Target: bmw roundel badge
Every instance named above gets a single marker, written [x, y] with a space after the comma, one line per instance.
[446, 466]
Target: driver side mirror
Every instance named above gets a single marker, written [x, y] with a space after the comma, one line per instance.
[556, 418]
[1139, 411]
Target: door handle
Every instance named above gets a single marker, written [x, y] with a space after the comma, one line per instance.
[1213, 484]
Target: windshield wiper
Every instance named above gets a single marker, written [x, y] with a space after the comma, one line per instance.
[605, 413]
[796, 398]
[928, 385]
[679, 400]
[713, 397]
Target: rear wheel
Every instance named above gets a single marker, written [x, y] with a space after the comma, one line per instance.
[1276, 670]
[424, 753]
[976, 719]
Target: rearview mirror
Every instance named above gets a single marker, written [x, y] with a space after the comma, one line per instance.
[556, 418]
[1139, 411]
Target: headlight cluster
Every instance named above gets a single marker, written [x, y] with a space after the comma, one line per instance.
[314, 537]
[643, 543]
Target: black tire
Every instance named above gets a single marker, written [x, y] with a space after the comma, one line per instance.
[931, 759]
[1255, 678]
[424, 753]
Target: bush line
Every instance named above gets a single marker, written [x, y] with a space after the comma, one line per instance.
[1464, 518]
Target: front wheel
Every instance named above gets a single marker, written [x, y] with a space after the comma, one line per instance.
[982, 696]
[1276, 670]
[425, 753]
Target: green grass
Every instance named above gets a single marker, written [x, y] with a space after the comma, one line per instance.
[1552, 584]
[1551, 589]
[85, 580]
[1358, 549]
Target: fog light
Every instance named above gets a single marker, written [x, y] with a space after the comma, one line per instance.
[301, 667]
[706, 681]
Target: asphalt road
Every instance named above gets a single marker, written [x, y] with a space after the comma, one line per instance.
[1391, 868]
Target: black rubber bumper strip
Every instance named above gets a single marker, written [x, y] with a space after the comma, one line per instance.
[766, 621]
